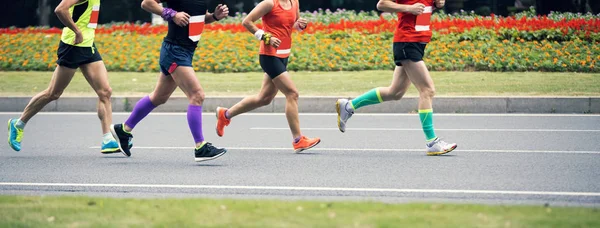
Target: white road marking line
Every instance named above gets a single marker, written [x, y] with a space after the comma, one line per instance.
[292, 188]
[419, 129]
[320, 114]
[368, 149]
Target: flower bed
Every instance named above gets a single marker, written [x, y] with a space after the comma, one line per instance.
[341, 41]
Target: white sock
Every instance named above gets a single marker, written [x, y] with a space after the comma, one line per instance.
[107, 137]
[20, 124]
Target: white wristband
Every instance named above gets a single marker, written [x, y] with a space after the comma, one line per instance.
[259, 34]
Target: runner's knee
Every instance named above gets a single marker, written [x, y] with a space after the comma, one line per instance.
[398, 95]
[52, 95]
[197, 97]
[292, 95]
[265, 100]
[427, 92]
[157, 100]
[104, 94]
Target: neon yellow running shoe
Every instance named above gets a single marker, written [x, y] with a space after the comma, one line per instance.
[15, 135]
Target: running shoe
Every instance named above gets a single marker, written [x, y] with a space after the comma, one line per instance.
[112, 147]
[439, 147]
[15, 135]
[222, 121]
[305, 143]
[341, 106]
[208, 152]
[124, 139]
[109, 147]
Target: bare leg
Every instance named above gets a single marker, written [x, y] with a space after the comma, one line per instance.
[60, 80]
[285, 84]
[163, 90]
[419, 75]
[398, 88]
[96, 75]
[186, 80]
[267, 93]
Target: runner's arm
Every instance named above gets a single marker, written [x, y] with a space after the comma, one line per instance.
[301, 23]
[62, 12]
[259, 11]
[298, 12]
[153, 6]
[393, 7]
[222, 11]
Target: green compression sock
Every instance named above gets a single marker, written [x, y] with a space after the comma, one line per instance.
[369, 98]
[426, 116]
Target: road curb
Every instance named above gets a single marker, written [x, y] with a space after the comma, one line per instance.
[326, 104]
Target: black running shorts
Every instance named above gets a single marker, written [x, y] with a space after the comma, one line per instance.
[412, 51]
[72, 56]
[273, 66]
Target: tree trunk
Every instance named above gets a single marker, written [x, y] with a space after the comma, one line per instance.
[43, 13]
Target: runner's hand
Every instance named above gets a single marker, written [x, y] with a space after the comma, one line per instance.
[440, 3]
[275, 42]
[302, 23]
[416, 9]
[182, 19]
[78, 37]
[222, 11]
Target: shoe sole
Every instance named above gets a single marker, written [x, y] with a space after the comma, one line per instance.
[217, 124]
[441, 152]
[9, 142]
[114, 133]
[111, 151]
[339, 116]
[210, 158]
[303, 149]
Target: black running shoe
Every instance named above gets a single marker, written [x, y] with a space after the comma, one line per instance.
[123, 138]
[208, 152]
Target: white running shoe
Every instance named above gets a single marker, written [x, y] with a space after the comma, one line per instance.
[341, 106]
[439, 147]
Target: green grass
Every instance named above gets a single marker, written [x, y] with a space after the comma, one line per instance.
[34, 211]
[328, 83]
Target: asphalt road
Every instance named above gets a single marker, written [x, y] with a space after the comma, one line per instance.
[507, 159]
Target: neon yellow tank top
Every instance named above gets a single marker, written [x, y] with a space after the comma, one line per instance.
[85, 15]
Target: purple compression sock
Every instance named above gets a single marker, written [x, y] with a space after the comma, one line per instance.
[194, 117]
[141, 110]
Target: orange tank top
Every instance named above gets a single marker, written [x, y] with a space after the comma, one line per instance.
[279, 22]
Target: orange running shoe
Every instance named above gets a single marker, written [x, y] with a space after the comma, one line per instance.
[305, 143]
[222, 121]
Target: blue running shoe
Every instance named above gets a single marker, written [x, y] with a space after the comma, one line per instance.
[15, 135]
[109, 147]
[112, 147]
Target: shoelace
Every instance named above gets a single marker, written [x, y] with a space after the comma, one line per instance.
[209, 146]
[443, 144]
[19, 134]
